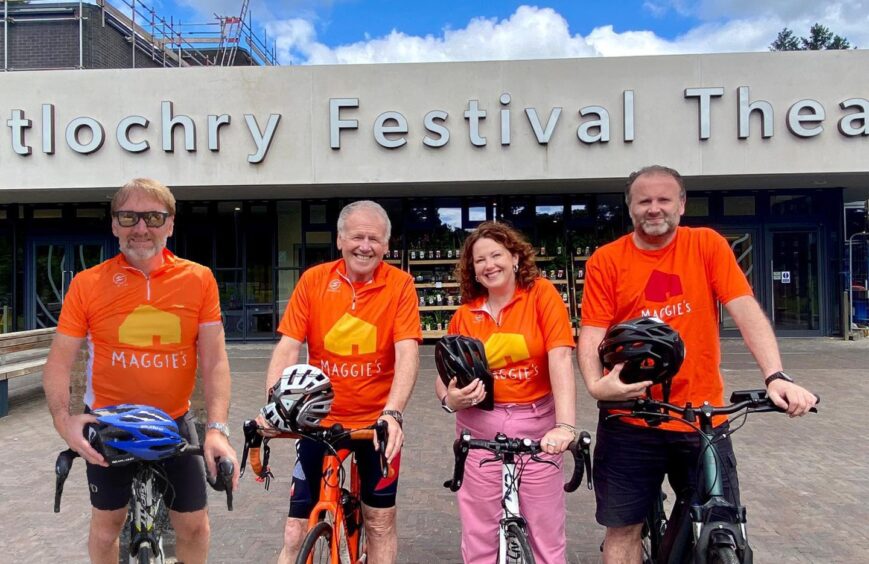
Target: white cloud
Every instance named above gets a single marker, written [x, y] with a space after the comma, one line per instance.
[539, 33]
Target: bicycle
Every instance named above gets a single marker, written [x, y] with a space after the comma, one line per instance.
[703, 526]
[336, 531]
[147, 516]
[513, 543]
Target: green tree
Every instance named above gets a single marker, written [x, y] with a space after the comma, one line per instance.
[820, 38]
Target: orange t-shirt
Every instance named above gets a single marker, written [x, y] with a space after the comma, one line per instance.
[681, 284]
[141, 330]
[351, 330]
[534, 322]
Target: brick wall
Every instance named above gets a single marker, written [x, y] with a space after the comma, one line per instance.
[55, 44]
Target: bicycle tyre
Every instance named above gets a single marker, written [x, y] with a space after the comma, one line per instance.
[317, 545]
[722, 555]
[518, 547]
[144, 555]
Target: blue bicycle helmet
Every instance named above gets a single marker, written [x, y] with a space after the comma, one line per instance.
[129, 432]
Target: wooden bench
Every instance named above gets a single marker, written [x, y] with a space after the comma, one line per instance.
[21, 353]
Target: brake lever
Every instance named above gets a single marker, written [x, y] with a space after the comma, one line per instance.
[223, 481]
[537, 458]
[381, 428]
[61, 468]
[585, 449]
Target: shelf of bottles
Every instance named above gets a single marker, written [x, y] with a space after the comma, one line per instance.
[552, 262]
[581, 252]
[433, 272]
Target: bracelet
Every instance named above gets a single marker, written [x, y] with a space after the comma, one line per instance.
[569, 427]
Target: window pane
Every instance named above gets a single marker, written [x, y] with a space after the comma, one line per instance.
[697, 206]
[289, 234]
[739, 205]
[229, 288]
[228, 234]
[477, 213]
[789, 205]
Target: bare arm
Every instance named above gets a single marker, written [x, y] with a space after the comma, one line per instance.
[760, 340]
[55, 382]
[406, 368]
[214, 367]
[286, 353]
[564, 391]
[601, 387]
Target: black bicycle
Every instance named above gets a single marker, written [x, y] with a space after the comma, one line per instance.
[513, 544]
[703, 526]
[147, 517]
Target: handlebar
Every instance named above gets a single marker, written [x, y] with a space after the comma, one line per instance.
[257, 448]
[222, 482]
[502, 445]
[752, 401]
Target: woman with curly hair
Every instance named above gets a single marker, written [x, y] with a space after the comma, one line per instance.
[524, 326]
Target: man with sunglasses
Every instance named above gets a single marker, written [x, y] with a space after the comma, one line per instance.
[149, 318]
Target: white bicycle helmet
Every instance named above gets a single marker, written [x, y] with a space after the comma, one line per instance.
[300, 399]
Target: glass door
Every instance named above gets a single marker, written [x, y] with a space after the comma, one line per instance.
[795, 304]
[50, 269]
[744, 243]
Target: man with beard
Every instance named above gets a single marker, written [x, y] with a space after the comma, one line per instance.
[147, 315]
[681, 275]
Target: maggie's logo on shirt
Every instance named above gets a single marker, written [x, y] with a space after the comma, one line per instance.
[147, 325]
[351, 335]
[506, 348]
[662, 286]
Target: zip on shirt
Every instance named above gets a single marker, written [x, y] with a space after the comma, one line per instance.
[147, 281]
[352, 287]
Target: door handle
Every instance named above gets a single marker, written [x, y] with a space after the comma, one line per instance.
[772, 293]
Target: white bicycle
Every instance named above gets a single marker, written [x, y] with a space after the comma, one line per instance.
[513, 543]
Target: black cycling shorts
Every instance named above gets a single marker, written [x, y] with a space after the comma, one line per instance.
[110, 488]
[375, 490]
[630, 463]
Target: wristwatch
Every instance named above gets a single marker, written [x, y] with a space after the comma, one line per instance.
[395, 414]
[444, 405]
[222, 427]
[780, 375]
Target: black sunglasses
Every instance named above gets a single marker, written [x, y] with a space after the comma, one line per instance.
[131, 218]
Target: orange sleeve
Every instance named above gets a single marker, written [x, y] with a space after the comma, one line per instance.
[73, 318]
[294, 323]
[725, 277]
[598, 297]
[407, 325]
[210, 311]
[552, 316]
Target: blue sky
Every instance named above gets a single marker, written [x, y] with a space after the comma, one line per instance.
[369, 31]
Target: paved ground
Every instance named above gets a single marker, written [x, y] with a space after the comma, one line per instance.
[805, 482]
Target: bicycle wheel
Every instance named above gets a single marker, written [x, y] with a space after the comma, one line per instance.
[317, 546]
[144, 556]
[653, 531]
[518, 547]
[722, 555]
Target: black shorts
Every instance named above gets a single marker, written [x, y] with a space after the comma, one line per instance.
[630, 463]
[111, 487]
[375, 490]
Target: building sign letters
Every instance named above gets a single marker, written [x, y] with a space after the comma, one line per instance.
[391, 129]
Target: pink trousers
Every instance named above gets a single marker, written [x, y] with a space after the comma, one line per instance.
[541, 494]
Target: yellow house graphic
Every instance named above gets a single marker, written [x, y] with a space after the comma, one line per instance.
[147, 325]
[349, 333]
[505, 348]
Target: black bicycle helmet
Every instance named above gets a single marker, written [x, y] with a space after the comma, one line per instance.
[464, 358]
[650, 349]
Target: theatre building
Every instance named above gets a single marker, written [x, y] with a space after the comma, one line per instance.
[773, 146]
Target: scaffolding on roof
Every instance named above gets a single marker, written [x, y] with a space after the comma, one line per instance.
[228, 41]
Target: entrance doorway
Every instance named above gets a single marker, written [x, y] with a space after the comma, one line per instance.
[50, 267]
[794, 282]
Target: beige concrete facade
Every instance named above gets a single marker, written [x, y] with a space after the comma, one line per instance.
[299, 161]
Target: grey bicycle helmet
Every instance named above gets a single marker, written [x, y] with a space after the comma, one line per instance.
[300, 399]
[464, 358]
[650, 349]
